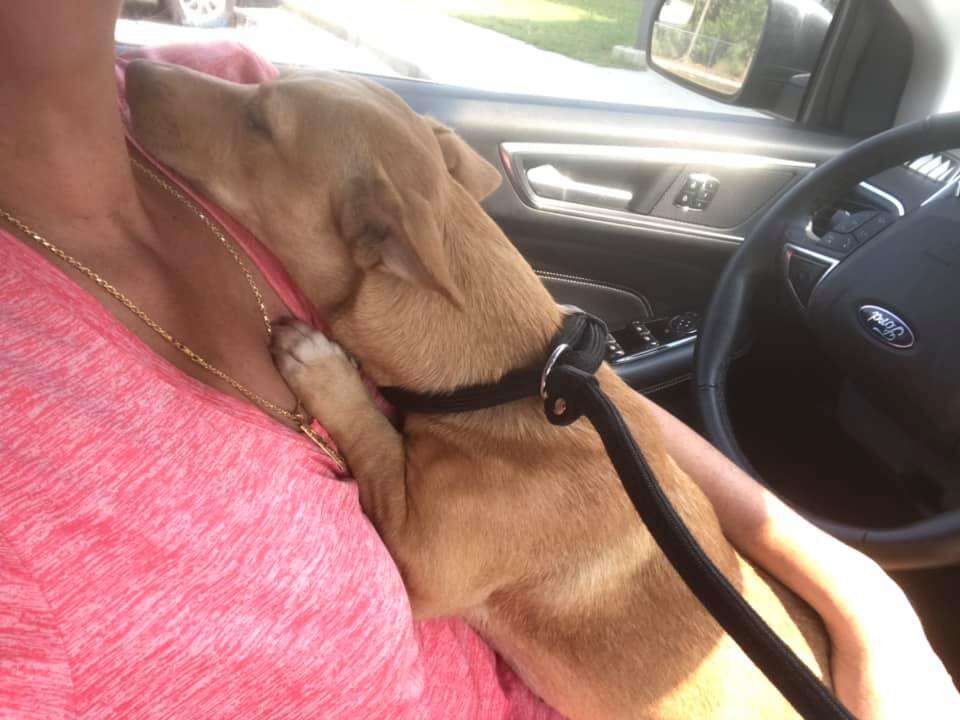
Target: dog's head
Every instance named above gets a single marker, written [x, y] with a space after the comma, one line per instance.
[371, 207]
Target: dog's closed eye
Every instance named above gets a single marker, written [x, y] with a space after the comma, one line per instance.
[256, 121]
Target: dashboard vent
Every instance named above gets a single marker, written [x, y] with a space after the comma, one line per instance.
[939, 168]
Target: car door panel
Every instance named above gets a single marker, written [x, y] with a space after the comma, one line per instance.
[672, 274]
[599, 217]
[616, 306]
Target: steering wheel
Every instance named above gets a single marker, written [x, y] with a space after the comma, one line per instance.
[885, 302]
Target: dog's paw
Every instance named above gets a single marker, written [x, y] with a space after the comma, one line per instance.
[317, 369]
[297, 347]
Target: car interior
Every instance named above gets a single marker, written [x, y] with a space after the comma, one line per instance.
[781, 279]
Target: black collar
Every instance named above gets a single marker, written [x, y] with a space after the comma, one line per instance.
[580, 343]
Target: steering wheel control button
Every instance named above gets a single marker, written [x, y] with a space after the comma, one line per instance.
[804, 274]
[838, 242]
[862, 235]
[845, 243]
[697, 192]
[887, 327]
[829, 240]
[876, 225]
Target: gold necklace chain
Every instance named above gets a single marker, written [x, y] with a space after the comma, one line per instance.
[303, 422]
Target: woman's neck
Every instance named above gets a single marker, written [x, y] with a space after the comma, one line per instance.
[62, 142]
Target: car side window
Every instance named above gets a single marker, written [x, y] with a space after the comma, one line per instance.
[584, 50]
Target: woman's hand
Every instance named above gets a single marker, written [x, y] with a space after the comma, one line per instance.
[883, 666]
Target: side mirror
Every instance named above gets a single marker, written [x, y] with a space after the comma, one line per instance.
[753, 53]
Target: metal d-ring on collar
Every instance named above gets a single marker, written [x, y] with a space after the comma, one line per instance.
[551, 361]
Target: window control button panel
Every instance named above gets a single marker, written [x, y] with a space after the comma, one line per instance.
[697, 192]
[614, 351]
[643, 336]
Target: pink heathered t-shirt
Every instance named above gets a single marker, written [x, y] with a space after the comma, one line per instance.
[167, 551]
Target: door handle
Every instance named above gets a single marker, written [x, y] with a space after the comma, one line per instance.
[548, 182]
[539, 175]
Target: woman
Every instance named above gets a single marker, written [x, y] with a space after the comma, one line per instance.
[170, 544]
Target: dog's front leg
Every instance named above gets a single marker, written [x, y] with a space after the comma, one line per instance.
[331, 390]
[442, 564]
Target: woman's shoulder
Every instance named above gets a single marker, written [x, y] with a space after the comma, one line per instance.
[228, 60]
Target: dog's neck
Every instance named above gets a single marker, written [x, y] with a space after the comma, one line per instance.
[421, 341]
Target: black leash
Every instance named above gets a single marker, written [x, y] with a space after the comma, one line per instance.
[569, 390]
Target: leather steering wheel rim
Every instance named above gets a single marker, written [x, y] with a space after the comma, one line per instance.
[929, 543]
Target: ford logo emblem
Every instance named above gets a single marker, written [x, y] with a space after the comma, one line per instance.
[887, 327]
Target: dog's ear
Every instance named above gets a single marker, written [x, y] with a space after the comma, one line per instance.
[397, 232]
[478, 177]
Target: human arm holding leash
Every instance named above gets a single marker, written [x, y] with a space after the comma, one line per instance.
[883, 665]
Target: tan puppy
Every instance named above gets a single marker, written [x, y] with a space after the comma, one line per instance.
[520, 527]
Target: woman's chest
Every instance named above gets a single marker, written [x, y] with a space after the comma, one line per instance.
[197, 288]
[187, 551]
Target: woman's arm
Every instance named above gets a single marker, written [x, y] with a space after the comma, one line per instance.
[883, 666]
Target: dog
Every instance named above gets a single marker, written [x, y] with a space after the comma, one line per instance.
[520, 527]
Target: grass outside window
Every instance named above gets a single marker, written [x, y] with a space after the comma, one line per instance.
[585, 30]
